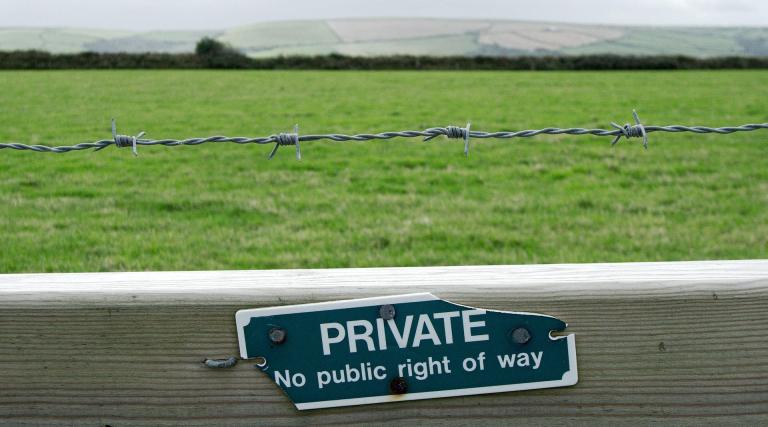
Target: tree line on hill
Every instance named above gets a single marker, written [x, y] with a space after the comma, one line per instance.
[212, 54]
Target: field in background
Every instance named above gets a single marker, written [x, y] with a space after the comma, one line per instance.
[399, 202]
[442, 37]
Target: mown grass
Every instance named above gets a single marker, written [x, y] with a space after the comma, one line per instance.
[388, 203]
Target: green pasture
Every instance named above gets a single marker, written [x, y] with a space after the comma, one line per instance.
[400, 202]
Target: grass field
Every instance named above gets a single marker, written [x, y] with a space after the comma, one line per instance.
[390, 203]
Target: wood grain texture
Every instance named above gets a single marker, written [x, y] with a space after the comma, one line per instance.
[679, 343]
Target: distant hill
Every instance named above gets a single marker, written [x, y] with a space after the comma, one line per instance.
[441, 37]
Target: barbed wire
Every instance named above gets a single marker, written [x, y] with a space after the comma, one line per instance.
[627, 131]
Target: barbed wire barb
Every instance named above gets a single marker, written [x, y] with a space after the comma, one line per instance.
[629, 131]
[287, 139]
[451, 132]
[122, 140]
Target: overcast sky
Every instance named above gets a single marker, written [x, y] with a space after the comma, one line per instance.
[214, 14]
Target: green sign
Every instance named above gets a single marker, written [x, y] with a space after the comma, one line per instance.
[404, 347]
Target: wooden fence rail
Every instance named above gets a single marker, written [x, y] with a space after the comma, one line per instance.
[682, 343]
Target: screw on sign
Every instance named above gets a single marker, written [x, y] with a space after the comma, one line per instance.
[387, 311]
[521, 336]
[398, 385]
[277, 335]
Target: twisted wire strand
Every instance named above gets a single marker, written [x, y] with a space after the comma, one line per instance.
[627, 131]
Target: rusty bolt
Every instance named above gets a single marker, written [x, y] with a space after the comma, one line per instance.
[277, 335]
[521, 336]
[398, 385]
[387, 312]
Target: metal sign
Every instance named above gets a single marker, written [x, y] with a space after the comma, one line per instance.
[404, 347]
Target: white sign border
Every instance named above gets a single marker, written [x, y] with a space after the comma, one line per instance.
[243, 318]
